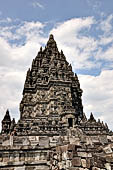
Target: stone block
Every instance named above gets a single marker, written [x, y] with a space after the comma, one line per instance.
[44, 141]
[108, 166]
[88, 163]
[95, 168]
[70, 155]
[71, 147]
[74, 141]
[107, 149]
[6, 143]
[84, 154]
[76, 168]
[76, 162]
[83, 161]
[20, 168]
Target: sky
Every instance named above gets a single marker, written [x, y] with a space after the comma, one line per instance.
[83, 29]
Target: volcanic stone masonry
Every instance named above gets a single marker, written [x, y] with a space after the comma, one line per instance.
[53, 132]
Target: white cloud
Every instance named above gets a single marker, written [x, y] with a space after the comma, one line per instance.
[19, 55]
[98, 95]
[25, 30]
[77, 47]
[37, 4]
[29, 29]
[82, 49]
[106, 25]
[11, 82]
[105, 41]
[106, 54]
[6, 20]
[72, 27]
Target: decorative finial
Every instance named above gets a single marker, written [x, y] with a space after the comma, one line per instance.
[28, 72]
[33, 62]
[91, 117]
[51, 44]
[51, 36]
[7, 116]
[7, 112]
[40, 49]
[84, 117]
[102, 123]
[61, 52]
[13, 120]
[98, 120]
[106, 125]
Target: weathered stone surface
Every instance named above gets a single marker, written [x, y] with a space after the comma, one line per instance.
[95, 168]
[108, 166]
[107, 149]
[76, 161]
[84, 163]
[84, 154]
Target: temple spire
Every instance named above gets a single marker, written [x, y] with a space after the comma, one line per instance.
[48, 68]
[51, 40]
[7, 116]
[51, 44]
[51, 36]
[92, 119]
[6, 122]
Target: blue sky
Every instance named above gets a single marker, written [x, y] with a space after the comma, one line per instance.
[57, 10]
[82, 28]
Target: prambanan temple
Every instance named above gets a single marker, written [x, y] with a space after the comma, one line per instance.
[53, 132]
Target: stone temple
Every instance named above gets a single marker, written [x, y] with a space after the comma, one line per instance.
[53, 132]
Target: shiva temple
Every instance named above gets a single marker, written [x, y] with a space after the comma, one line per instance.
[53, 132]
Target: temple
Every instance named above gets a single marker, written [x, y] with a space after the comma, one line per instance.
[53, 132]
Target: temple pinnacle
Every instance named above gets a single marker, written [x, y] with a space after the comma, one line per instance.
[51, 36]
